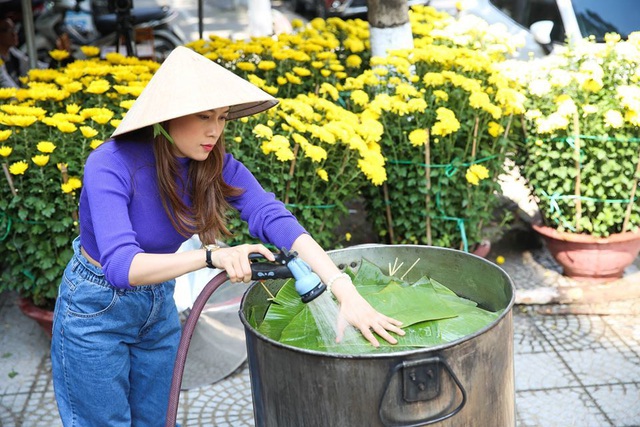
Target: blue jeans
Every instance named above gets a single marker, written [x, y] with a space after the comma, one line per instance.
[112, 350]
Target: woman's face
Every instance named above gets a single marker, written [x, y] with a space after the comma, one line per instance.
[196, 135]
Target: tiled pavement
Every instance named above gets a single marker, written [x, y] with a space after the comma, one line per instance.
[578, 370]
[571, 369]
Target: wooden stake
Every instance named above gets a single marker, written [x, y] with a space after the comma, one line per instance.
[475, 138]
[387, 204]
[292, 169]
[427, 161]
[632, 197]
[576, 153]
[5, 167]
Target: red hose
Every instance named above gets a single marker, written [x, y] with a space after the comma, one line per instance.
[183, 347]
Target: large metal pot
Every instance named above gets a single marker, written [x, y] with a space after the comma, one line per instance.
[469, 382]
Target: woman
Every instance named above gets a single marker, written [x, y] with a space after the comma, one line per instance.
[163, 177]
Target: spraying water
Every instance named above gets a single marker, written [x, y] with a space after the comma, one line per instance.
[312, 291]
[325, 311]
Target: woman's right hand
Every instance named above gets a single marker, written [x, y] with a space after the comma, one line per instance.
[235, 260]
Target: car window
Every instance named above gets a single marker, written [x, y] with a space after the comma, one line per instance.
[597, 17]
[526, 12]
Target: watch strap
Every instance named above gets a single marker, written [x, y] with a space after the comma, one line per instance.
[209, 249]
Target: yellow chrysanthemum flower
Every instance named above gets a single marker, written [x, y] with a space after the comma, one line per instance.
[127, 104]
[90, 51]
[58, 54]
[266, 65]
[40, 160]
[495, 129]
[262, 131]
[74, 182]
[476, 173]
[359, 97]
[102, 118]
[66, 188]
[446, 124]
[323, 174]
[5, 151]
[246, 66]
[88, 132]
[329, 89]
[46, 147]
[418, 137]
[285, 154]
[95, 143]
[98, 87]
[302, 72]
[5, 134]
[66, 127]
[314, 152]
[72, 108]
[18, 168]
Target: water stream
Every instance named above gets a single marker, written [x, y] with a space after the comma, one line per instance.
[325, 310]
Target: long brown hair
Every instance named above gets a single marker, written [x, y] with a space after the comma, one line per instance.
[207, 216]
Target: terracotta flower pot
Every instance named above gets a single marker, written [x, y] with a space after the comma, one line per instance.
[43, 316]
[589, 258]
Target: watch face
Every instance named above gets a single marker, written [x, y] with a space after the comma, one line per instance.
[211, 247]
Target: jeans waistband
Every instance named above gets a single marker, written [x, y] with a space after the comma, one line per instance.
[81, 265]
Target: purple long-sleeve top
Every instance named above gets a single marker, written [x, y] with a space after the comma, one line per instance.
[121, 212]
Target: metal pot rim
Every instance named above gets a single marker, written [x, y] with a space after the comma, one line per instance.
[418, 351]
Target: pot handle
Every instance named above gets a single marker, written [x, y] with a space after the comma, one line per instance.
[421, 382]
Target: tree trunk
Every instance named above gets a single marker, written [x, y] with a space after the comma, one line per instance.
[389, 26]
[260, 18]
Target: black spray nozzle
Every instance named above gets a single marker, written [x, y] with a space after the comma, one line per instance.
[287, 265]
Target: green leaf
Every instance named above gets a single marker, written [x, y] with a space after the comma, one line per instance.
[431, 314]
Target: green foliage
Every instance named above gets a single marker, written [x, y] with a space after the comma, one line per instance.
[581, 154]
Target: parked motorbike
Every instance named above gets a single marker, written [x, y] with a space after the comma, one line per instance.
[110, 25]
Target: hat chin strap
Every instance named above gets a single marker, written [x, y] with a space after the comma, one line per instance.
[159, 129]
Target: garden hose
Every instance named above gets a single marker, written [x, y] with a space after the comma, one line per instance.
[286, 265]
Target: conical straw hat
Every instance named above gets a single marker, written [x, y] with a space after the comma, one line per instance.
[188, 83]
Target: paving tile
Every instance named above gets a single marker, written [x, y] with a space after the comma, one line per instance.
[537, 371]
[626, 329]
[621, 403]
[227, 403]
[577, 332]
[565, 407]
[599, 367]
[526, 336]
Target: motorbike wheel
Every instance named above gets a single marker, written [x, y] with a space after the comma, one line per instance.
[162, 47]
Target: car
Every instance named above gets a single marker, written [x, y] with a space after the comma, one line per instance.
[548, 24]
[339, 8]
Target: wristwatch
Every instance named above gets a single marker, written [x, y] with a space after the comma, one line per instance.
[209, 249]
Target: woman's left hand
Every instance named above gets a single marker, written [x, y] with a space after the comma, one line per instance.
[355, 310]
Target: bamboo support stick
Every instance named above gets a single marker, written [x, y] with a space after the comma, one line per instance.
[632, 197]
[427, 161]
[387, 204]
[65, 178]
[292, 169]
[576, 152]
[474, 145]
[7, 175]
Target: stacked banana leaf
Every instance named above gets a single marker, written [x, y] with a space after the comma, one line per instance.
[431, 314]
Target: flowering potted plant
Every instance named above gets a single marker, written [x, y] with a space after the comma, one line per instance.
[314, 155]
[581, 154]
[47, 129]
[448, 117]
